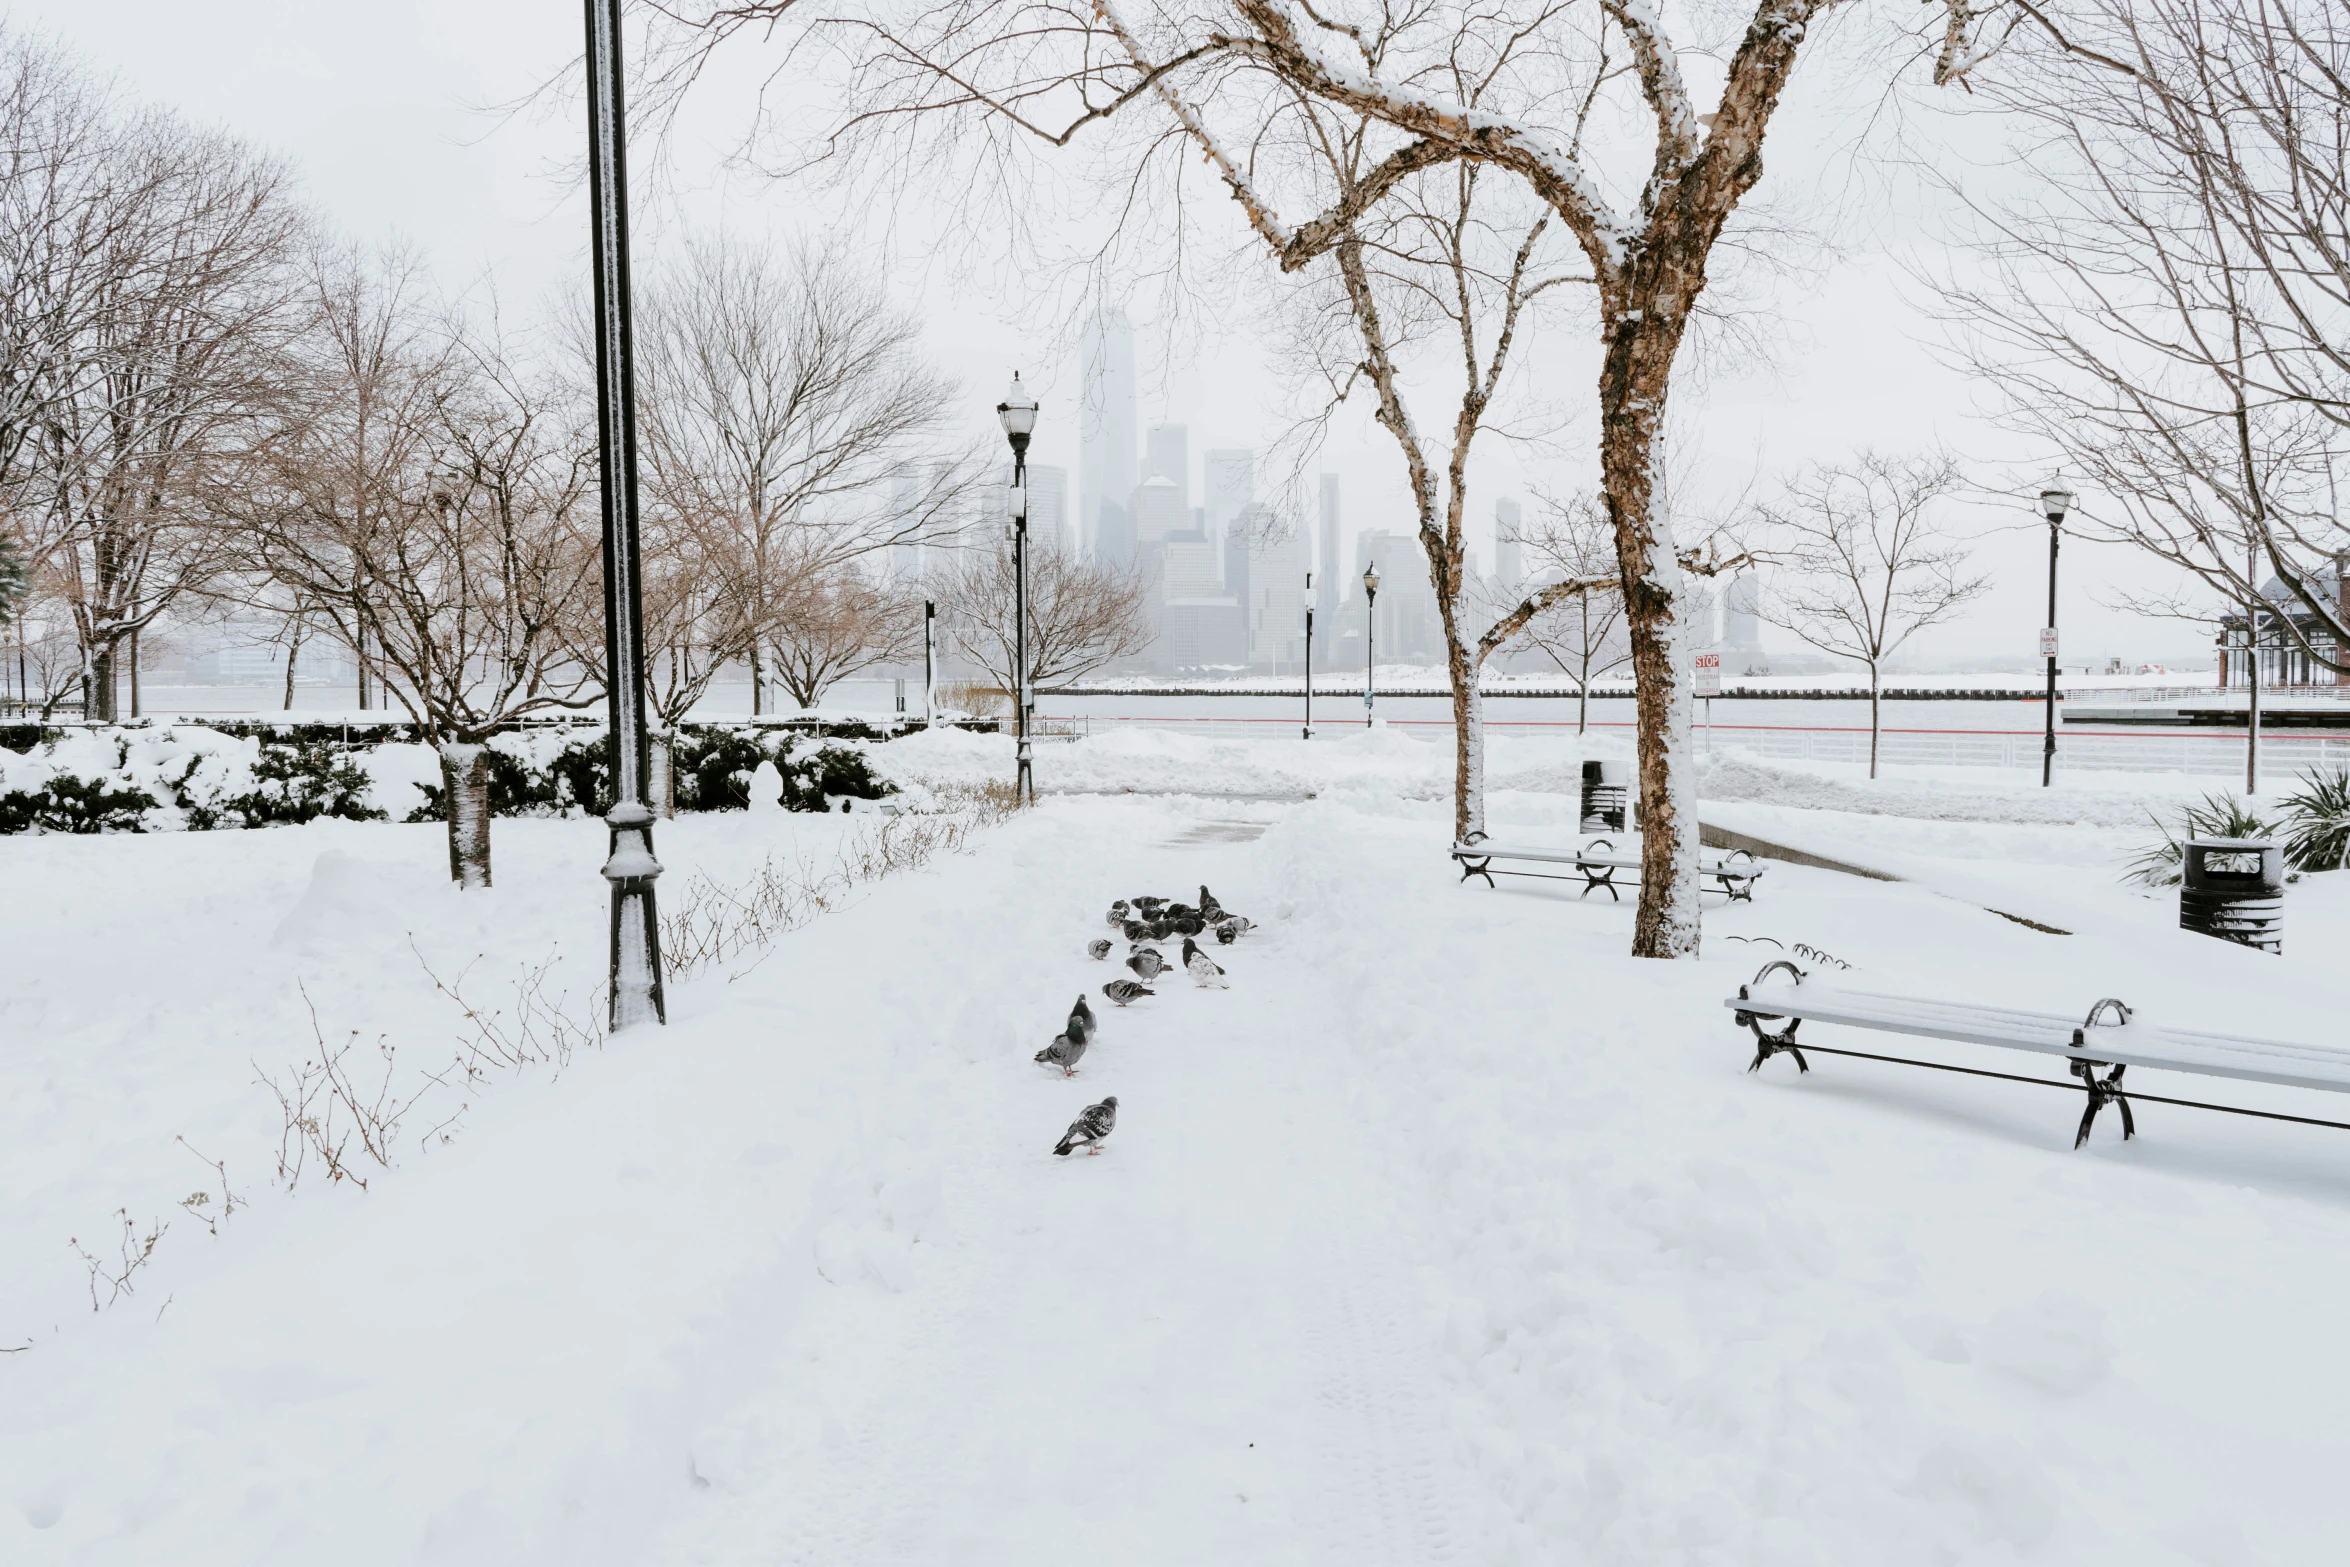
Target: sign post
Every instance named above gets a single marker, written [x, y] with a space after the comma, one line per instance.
[1709, 686]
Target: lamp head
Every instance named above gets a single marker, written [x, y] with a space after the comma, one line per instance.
[1371, 580]
[1018, 413]
[2055, 501]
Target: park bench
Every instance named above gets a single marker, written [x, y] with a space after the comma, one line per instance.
[2109, 1040]
[1733, 874]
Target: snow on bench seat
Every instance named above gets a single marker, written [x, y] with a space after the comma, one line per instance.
[1735, 873]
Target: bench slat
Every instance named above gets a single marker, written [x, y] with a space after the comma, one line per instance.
[2131, 1044]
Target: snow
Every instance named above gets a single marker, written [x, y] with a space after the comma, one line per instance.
[1449, 1232]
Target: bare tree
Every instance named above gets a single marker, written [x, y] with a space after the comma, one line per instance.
[1584, 637]
[784, 404]
[1867, 561]
[832, 627]
[1221, 77]
[2169, 304]
[149, 293]
[1080, 616]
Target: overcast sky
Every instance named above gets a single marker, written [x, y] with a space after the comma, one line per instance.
[385, 112]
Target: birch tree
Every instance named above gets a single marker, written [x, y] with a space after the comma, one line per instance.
[1867, 561]
[1217, 76]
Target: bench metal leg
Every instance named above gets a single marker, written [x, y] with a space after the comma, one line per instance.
[1478, 869]
[1604, 876]
[2102, 1092]
[1769, 1045]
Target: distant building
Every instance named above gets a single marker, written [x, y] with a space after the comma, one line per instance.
[1107, 470]
[1168, 456]
[1326, 559]
[1272, 588]
[1509, 539]
[1406, 608]
[2284, 661]
[1048, 508]
[1227, 485]
[1741, 642]
[1157, 510]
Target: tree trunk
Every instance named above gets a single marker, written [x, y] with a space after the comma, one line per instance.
[757, 681]
[98, 704]
[135, 705]
[662, 743]
[1633, 381]
[1876, 723]
[1468, 730]
[359, 658]
[293, 655]
[465, 803]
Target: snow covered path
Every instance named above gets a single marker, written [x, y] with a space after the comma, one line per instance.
[1447, 1233]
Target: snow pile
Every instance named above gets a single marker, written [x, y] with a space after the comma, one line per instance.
[1975, 799]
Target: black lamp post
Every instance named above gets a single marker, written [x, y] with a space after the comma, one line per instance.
[630, 866]
[2055, 501]
[1309, 655]
[929, 665]
[1370, 637]
[1018, 413]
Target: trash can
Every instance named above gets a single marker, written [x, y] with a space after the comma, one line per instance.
[2234, 888]
[1607, 790]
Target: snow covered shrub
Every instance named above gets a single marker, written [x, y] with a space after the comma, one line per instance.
[69, 802]
[2317, 822]
[517, 788]
[2215, 816]
[294, 780]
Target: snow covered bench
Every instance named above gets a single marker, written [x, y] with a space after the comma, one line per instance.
[2109, 1037]
[1733, 874]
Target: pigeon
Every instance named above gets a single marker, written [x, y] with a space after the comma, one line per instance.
[1161, 930]
[1147, 964]
[1209, 909]
[1090, 1128]
[1064, 1052]
[1178, 911]
[1234, 927]
[1202, 968]
[1118, 913]
[1098, 948]
[1149, 906]
[1189, 925]
[1136, 930]
[1125, 990]
[1083, 1013]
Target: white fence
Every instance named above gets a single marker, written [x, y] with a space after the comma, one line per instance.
[2200, 755]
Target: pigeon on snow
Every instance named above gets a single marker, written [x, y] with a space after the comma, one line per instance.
[1234, 927]
[1090, 1128]
[1188, 925]
[1064, 1052]
[1136, 930]
[1098, 948]
[1209, 909]
[1119, 913]
[1201, 967]
[1147, 963]
[1081, 1013]
[1125, 990]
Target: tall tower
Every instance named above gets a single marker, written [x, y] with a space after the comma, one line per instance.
[1509, 560]
[1106, 467]
[1326, 561]
[1048, 508]
[1167, 455]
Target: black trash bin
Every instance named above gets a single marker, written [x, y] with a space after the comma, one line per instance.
[1607, 791]
[2234, 888]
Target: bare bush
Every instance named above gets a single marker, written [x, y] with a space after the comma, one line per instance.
[328, 1106]
[710, 924]
[539, 1029]
[199, 1202]
[133, 1251]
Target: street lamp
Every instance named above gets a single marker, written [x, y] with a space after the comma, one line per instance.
[1370, 636]
[629, 867]
[1309, 655]
[1018, 413]
[2055, 501]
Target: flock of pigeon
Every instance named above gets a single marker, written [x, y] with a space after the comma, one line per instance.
[1142, 921]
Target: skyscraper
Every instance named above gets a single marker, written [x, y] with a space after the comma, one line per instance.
[1326, 560]
[1048, 509]
[1273, 589]
[1168, 456]
[1228, 483]
[1106, 467]
[1509, 560]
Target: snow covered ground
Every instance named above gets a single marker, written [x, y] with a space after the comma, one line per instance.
[1448, 1233]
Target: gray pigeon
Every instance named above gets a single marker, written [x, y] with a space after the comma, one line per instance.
[1118, 912]
[1064, 1052]
[1098, 948]
[1187, 925]
[1079, 1029]
[1201, 967]
[1090, 1128]
[1209, 909]
[1081, 1013]
[1233, 927]
[1147, 964]
[1125, 990]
